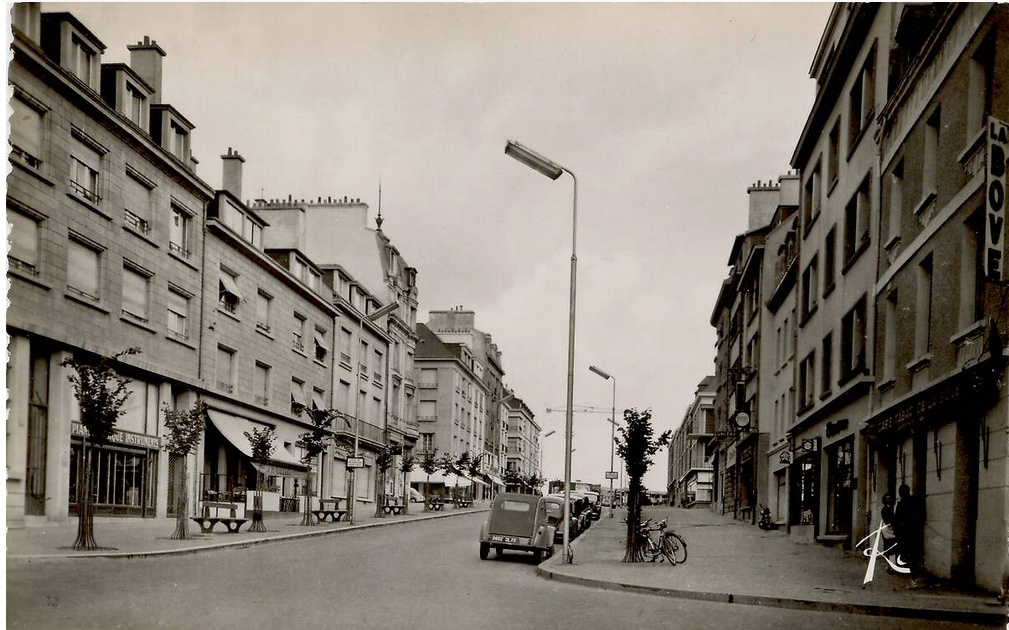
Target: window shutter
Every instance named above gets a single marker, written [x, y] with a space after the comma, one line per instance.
[26, 127]
[134, 293]
[82, 268]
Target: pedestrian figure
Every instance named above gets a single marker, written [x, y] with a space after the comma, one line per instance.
[886, 517]
[907, 526]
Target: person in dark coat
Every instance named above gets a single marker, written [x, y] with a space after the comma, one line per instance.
[908, 528]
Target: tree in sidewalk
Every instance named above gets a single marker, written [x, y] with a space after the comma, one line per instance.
[383, 462]
[430, 463]
[185, 429]
[313, 444]
[636, 446]
[100, 394]
[406, 466]
[535, 483]
[261, 442]
[474, 471]
[447, 466]
[513, 481]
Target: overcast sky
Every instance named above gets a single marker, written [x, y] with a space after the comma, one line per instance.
[666, 113]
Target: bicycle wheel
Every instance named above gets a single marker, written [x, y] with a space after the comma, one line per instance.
[675, 547]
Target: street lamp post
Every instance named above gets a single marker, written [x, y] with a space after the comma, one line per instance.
[613, 427]
[552, 170]
[352, 498]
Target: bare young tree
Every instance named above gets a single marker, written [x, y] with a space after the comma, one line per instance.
[313, 444]
[636, 447]
[185, 429]
[261, 442]
[474, 471]
[101, 394]
[383, 462]
[406, 466]
[430, 463]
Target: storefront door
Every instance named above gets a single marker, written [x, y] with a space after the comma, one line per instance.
[840, 476]
[805, 501]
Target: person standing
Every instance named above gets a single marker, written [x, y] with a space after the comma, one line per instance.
[907, 527]
[886, 517]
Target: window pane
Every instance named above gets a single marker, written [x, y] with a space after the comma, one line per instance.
[26, 128]
[138, 198]
[134, 293]
[82, 268]
[24, 237]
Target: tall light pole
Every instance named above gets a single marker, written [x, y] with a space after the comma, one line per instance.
[545, 436]
[613, 427]
[385, 310]
[552, 170]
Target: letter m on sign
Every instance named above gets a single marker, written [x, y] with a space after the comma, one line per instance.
[995, 199]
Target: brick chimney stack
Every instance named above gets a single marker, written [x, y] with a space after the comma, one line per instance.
[231, 179]
[145, 59]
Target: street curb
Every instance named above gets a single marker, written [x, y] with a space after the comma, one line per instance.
[993, 619]
[241, 544]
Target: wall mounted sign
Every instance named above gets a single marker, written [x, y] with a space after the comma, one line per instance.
[995, 199]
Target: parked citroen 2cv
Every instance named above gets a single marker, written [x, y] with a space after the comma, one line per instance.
[519, 522]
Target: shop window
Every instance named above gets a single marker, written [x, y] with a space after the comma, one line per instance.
[123, 482]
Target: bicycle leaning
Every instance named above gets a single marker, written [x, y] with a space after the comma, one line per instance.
[670, 545]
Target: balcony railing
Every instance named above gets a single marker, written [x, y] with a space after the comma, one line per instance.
[136, 222]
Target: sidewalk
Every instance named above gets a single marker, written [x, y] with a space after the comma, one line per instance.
[136, 538]
[734, 562]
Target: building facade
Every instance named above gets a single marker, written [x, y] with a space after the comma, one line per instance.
[689, 476]
[522, 442]
[106, 254]
[938, 399]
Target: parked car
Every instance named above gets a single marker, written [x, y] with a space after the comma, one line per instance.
[519, 522]
[416, 496]
[595, 504]
[555, 515]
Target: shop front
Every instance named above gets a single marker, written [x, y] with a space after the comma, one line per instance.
[804, 495]
[230, 477]
[124, 473]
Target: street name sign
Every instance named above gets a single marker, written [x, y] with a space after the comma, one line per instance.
[612, 474]
[355, 462]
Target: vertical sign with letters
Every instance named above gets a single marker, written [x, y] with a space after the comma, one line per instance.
[995, 199]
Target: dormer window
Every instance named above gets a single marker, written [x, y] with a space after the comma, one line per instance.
[179, 141]
[236, 218]
[134, 103]
[81, 59]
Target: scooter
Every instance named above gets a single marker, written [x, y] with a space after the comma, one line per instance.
[764, 519]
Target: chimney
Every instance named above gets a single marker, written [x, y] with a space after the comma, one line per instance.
[145, 59]
[231, 178]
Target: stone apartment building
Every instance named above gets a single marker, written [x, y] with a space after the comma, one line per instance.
[266, 342]
[522, 444]
[365, 272]
[938, 397]
[689, 474]
[106, 254]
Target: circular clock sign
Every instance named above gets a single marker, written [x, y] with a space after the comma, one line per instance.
[742, 419]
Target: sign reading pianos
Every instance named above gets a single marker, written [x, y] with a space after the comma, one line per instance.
[124, 438]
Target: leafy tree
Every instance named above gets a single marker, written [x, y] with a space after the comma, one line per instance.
[383, 462]
[313, 444]
[535, 483]
[447, 465]
[101, 394]
[513, 481]
[474, 471]
[185, 428]
[261, 442]
[406, 466]
[430, 463]
[636, 446]
[462, 464]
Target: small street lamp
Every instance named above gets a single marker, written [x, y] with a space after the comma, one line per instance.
[552, 170]
[385, 310]
[613, 427]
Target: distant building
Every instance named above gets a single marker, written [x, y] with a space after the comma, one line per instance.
[523, 444]
[690, 476]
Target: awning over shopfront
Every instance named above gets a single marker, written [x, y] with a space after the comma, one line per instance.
[233, 429]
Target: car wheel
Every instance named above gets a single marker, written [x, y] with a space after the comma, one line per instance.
[484, 551]
[538, 556]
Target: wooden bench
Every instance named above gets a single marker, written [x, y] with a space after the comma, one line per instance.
[207, 523]
[435, 505]
[329, 508]
[463, 503]
[393, 509]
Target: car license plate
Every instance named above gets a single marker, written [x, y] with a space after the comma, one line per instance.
[505, 539]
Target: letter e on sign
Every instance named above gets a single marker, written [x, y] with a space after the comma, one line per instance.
[995, 199]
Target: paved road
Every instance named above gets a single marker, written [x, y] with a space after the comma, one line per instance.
[417, 575]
